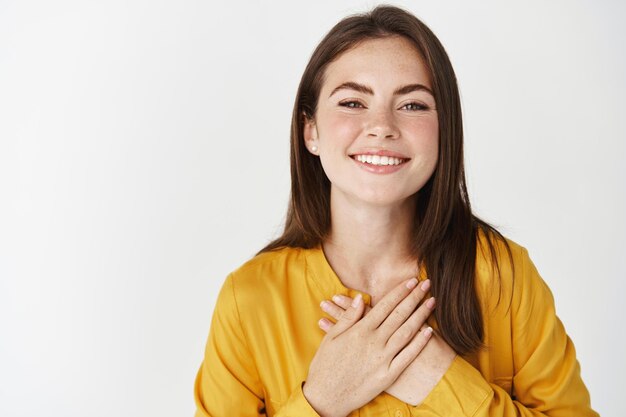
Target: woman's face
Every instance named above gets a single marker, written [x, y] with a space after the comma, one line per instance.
[376, 128]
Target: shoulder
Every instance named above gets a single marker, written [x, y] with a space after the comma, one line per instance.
[253, 284]
[271, 266]
[505, 270]
[266, 275]
[502, 266]
[497, 250]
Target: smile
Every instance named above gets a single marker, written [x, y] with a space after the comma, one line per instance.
[377, 164]
[379, 160]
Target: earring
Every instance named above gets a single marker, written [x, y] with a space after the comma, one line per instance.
[313, 148]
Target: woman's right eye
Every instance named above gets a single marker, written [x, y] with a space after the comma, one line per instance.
[351, 104]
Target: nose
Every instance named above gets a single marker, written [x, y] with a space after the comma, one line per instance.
[382, 125]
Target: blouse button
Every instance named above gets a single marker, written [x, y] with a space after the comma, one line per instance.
[399, 413]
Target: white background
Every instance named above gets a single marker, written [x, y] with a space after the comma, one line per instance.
[144, 155]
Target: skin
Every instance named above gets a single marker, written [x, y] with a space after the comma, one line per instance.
[387, 340]
[421, 376]
[372, 215]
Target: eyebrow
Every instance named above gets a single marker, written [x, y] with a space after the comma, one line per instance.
[409, 88]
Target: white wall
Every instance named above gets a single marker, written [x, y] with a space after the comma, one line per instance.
[144, 155]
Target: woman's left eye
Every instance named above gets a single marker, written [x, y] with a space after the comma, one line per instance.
[413, 106]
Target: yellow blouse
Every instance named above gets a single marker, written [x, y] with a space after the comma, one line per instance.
[264, 334]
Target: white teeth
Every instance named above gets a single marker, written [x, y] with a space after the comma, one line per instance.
[379, 160]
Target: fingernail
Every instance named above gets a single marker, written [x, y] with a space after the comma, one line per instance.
[336, 298]
[431, 302]
[357, 300]
[412, 283]
[324, 304]
[426, 285]
[322, 322]
[428, 331]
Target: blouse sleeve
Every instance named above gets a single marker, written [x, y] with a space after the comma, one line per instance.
[547, 379]
[228, 382]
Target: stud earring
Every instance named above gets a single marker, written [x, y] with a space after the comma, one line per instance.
[313, 148]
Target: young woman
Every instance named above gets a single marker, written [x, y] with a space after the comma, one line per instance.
[434, 312]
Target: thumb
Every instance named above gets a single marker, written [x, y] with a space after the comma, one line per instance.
[349, 317]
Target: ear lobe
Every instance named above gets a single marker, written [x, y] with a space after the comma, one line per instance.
[310, 135]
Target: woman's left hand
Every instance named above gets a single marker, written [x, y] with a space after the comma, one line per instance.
[421, 376]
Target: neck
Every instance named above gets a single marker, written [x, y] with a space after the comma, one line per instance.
[369, 246]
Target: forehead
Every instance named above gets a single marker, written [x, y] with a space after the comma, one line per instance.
[391, 60]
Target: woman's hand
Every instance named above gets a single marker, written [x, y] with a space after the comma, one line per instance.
[361, 357]
[421, 376]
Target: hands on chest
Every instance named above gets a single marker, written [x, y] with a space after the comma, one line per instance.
[388, 347]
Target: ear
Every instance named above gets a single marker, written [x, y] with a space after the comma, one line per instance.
[311, 140]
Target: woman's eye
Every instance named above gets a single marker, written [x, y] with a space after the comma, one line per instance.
[415, 106]
[351, 104]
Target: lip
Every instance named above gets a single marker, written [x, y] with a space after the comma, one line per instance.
[379, 169]
[380, 152]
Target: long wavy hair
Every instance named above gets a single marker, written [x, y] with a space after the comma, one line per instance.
[445, 235]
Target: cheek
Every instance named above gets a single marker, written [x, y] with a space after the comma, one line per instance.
[425, 134]
[432, 142]
[340, 130]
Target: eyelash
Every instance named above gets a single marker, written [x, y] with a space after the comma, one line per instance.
[347, 104]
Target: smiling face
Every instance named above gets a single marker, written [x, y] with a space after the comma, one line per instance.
[375, 128]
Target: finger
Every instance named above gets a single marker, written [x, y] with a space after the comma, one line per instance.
[410, 352]
[349, 317]
[389, 302]
[411, 326]
[403, 310]
[332, 309]
[325, 324]
[342, 301]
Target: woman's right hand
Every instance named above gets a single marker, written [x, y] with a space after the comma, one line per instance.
[359, 358]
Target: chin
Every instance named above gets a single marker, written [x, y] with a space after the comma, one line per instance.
[388, 198]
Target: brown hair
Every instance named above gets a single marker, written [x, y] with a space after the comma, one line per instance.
[446, 232]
